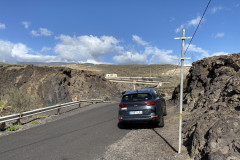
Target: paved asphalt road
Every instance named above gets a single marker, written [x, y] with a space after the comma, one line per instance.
[84, 135]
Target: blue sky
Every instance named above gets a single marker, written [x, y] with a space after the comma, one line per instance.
[115, 31]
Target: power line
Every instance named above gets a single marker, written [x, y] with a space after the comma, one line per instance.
[198, 26]
[192, 36]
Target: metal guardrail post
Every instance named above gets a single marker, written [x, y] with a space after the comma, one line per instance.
[58, 110]
[58, 107]
[19, 120]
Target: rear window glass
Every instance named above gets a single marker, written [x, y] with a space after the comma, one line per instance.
[138, 97]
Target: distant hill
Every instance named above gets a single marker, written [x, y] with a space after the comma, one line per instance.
[165, 72]
[3, 64]
[46, 64]
[155, 70]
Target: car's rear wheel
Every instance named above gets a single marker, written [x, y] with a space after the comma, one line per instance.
[165, 108]
[163, 105]
[121, 125]
[160, 123]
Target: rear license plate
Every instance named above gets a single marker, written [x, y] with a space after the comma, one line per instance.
[135, 112]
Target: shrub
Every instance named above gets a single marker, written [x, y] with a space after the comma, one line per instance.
[2, 104]
[34, 122]
[19, 100]
[14, 127]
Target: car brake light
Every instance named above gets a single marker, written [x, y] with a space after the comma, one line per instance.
[122, 105]
[151, 103]
[155, 117]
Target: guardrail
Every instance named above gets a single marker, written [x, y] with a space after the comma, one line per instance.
[19, 116]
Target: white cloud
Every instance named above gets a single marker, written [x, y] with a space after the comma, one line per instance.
[14, 53]
[93, 62]
[139, 40]
[35, 33]
[219, 53]
[160, 56]
[215, 9]
[194, 22]
[2, 26]
[26, 24]
[149, 55]
[219, 35]
[191, 23]
[85, 48]
[194, 48]
[179, 28]
[204, 53]
[41, 32]
[130, 58]
[46, 49]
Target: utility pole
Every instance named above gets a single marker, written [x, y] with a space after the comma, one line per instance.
[181, 88]
[150, 71]
[134, 84]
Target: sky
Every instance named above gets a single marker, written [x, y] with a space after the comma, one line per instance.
[116, 31]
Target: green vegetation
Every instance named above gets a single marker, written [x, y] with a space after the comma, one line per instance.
[14, 127]
[52, 116]
[34, 122]
[19, 100]
[2, 104]
[47, 116]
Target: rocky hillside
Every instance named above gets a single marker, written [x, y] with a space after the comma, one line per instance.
[54, 85]
[211, 125]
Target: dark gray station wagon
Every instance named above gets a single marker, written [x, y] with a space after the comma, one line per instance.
[142, 106]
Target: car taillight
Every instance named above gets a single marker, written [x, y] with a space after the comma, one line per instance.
[155, 117]
[151, 103]
[122, 105]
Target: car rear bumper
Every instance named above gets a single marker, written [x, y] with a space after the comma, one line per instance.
[140, 119]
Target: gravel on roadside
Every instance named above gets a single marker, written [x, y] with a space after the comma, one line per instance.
[146, 142]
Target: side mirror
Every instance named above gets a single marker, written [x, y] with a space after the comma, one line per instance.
[123, 92]
[163, 95]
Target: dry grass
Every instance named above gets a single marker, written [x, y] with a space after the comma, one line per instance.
[18, 101]
[154, 70]
[16, 67]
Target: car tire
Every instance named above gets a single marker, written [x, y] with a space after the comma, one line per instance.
[160, 123]
[165, 109]
[121, 125]
[163, 104]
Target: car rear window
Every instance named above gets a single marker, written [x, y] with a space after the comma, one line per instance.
[138, 97]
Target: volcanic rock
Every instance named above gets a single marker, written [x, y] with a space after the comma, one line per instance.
[55, 85]
[211, 101]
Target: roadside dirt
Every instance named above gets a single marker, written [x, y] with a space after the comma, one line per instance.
[146, 142]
